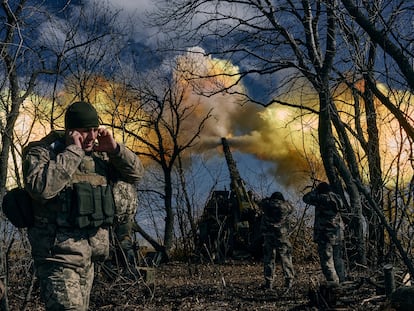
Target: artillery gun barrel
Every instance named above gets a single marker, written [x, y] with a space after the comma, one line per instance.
[237, 184]
[234, 173]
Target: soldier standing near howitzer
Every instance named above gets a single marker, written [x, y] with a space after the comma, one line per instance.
[126, 204]
[68, 175]
[275, 228]
[328, 231]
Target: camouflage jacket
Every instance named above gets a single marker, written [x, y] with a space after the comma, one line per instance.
[126, 201]
[276, 215]
[328, 225]
[49, 167]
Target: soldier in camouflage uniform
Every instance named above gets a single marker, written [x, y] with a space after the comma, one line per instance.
[126, 204]
[328, 231]
[68, 175]
[275, 228]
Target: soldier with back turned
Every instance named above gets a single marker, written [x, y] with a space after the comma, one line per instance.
[275, 228]
[328, 231]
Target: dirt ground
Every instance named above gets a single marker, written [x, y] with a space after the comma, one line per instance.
[236, 285]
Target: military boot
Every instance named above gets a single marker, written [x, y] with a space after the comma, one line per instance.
[288, 283]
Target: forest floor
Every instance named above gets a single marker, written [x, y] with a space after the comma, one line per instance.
[235, 285]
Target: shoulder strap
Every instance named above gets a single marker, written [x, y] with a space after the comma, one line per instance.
[45, 141]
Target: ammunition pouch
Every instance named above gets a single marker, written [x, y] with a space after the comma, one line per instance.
[90, 206]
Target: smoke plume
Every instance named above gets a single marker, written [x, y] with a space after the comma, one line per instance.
[267, 133]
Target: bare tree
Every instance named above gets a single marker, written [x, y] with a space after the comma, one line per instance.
[162, 123]
[389, 31]
[36, 54]
[22, 62]
[385, 24]
[362, 54]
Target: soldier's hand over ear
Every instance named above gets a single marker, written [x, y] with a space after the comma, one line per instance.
[75, 138]
[106, 142]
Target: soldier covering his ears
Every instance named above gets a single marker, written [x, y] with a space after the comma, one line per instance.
[69, 178]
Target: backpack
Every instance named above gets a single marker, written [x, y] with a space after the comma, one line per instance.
[17, 206]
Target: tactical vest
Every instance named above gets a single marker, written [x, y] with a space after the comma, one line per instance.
[93, 203]
[86, 202]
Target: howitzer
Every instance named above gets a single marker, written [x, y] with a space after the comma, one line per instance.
[230, 224]
[242, 202]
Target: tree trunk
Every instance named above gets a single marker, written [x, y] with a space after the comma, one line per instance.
[169, 217]
[375, 229]
[335, 167]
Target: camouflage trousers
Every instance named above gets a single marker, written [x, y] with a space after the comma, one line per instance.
[64, 263]
[332, 263]
[271, 247]
[64, 288]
